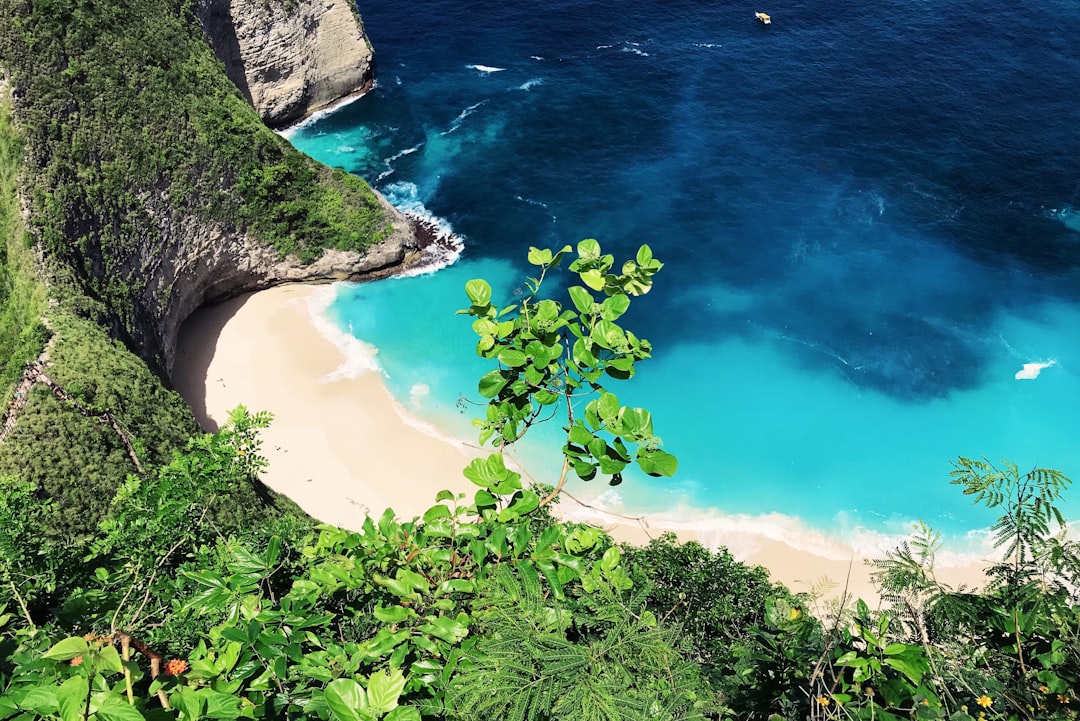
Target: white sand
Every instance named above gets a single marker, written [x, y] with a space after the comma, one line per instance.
[343, 448]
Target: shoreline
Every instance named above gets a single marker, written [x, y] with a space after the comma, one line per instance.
[342, 447]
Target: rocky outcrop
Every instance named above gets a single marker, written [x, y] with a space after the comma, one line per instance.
[197, 262]
[290, 57]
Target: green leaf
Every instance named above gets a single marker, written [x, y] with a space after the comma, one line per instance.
[221, 705]
[114, 708]
[593, 278]
[607, 406]
[347, 700]
[393, 614]
[41, 700]
[487, 472]
[189, 702]
[491, 383]
[539, 257]
[68, 649]
[479, 291]
[657, 463]
[588, 249]
[384, 689]
[403, 713]
[437, 511]
[644, 256]
[583, 300]
[451, 630]
[108, 660]
[523, 502]
[511, 357]
[614, 307]
[71, 697]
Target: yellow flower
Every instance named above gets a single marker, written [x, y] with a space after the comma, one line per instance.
[1062, 698]
[984, 701]
[823, 701]
[1044, 689]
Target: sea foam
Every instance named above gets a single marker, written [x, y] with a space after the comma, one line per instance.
[1031, 371]
[360, 357]
[485, 68]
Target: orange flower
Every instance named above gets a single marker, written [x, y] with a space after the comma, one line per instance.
[1062, 698]
[175, 667]
[984, 701]
[77, 661]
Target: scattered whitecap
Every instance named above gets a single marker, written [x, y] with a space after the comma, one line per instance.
[1031, 371]
[485, 68]
[537, 57]
[456, 122]
[389, 162]
[1070, 217]
[530, 84]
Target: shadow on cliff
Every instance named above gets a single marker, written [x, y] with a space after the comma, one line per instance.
[217, 22]
[195, 348]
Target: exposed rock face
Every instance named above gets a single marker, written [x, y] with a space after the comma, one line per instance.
[197, 263]
[290, 57]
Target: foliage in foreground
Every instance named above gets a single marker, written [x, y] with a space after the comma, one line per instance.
[488, 607]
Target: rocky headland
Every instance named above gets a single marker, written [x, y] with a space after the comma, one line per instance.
[290, 59]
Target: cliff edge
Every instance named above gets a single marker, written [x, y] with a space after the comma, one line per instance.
[290, 58]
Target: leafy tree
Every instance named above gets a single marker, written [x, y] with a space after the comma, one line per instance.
[551, 359]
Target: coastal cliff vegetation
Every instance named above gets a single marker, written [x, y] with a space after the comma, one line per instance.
[120, 139]
[145, 572]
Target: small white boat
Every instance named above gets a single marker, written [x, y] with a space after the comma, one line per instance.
[763, 18]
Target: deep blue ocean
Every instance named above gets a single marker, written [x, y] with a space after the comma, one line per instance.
[869, 212]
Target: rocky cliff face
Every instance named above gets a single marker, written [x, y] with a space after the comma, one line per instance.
[195, 262]
[290, 57]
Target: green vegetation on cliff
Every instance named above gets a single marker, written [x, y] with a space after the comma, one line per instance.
[130, 126]
[120, 136]
[22, 296]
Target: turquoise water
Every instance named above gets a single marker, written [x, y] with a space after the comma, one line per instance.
[868, 218]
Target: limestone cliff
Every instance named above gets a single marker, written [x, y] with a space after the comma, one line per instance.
[290, 58]
[198, 262]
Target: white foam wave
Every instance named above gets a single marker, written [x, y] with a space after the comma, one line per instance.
[428, 429]
[742, 533]
[456, 122]
[1031, 371]
[708, 45]
[604, 47]
[289, 131]
[1069, 216]
[635, 50]
[446, 251]
[537, 57]
[360, 357]
[485, 68]
[389, 162]
[530, 84]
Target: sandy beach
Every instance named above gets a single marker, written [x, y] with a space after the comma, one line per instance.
[341, 447]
